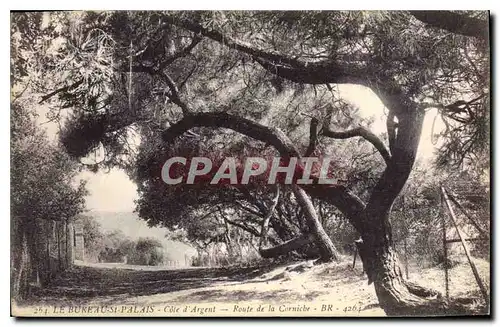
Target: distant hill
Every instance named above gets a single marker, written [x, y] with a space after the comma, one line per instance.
[134, 227]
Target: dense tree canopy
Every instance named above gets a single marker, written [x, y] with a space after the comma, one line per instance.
[140, 87]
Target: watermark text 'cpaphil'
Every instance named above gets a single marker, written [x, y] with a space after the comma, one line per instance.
[234, 171]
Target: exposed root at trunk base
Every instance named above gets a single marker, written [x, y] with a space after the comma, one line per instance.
[399, 297]
[422, 291]
[410, 299]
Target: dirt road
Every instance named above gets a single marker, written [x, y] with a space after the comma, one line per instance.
[293, 289]
[334, 289]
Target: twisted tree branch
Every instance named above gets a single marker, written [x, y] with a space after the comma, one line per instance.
[454, 22]
[337, 195]
[248, 229]
[60, 90]
[184, 52]
[364, 133]
[272, 136]
[311, 72]
[174, 92]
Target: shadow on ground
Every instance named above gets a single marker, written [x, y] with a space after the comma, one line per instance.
[81, 284]
[275, 296]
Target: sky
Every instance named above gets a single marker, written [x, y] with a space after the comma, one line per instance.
[109, 191]
[370, 105]
[113, 191]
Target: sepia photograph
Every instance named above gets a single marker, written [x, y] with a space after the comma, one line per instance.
[198, 163]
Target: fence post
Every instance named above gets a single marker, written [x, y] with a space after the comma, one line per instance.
[49, 268]
[466, 249]
[445, 249]
[355, 255]
[79, 243]
[472, 220]
[58, 240]
[406, 257]
[69, 244]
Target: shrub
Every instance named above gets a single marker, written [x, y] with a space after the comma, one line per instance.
[147, 252]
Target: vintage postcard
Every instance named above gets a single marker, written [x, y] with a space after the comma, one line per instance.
[250, 163]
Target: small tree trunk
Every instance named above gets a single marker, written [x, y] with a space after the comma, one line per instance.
[288, 246]
[265, 222]
[316, 236]
[327, 250]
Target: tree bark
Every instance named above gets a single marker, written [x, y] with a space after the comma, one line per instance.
[395, 296]
[287, 247]
[22, 271]
[328, 251]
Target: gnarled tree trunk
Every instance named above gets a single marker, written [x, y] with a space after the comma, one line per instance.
[376, 250]
[396, 296]
[316, 234]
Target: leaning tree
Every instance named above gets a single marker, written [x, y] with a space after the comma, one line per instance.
[168, 76]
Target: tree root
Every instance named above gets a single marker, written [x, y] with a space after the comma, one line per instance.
[416, 300]
[422, 291]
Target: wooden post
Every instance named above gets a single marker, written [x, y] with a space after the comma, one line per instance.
[79, 243]
[466, 249]
[455, 201]
[445, 249]
[355, 255]
[58, 239]
[47, 237]
[406, 256]
[67, 258]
